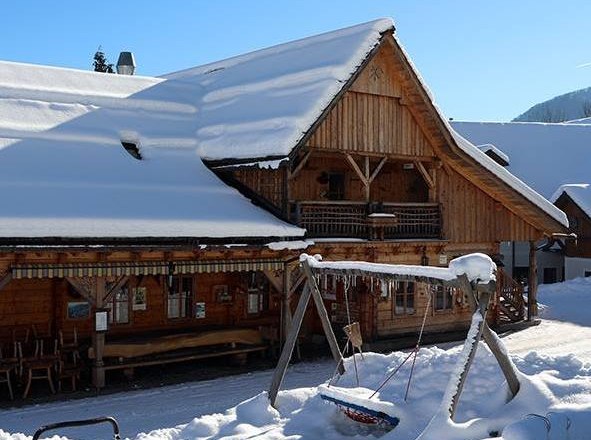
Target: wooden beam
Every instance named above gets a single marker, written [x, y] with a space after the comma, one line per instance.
[532, 283]
[428, 179]
[356, 168]
[98, 339]
[377, 169]
[322, 313]
[276, 282]
[5, 280]
[300, 165]
[367, 182]
[81, 289]
[118, 285]
[289, 345]
[507, 366]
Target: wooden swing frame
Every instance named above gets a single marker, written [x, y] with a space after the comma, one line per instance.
[478, 294]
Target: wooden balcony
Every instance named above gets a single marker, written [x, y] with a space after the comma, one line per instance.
[378, 221]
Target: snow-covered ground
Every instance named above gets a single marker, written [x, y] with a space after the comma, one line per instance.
[555, 358]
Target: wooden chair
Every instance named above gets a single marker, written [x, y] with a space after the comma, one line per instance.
[40, 366]
[8, 364]
[69, 346]
[68, 371]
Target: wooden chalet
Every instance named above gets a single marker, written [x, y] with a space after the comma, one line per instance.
[360, 159]
[575, 201]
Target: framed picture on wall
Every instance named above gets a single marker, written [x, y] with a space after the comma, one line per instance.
[222, 294]
[78, 310]
[139, 298]
[200, 310]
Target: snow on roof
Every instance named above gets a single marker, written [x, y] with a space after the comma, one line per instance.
[483, 159]
[543, 155]
[65, 173]
[262, 103]
[580, 193]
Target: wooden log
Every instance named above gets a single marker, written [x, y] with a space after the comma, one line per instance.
[500, 353]
[324, 319]
[289, 345]
[473, 346]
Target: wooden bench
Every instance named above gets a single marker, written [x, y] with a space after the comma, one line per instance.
[140, 352]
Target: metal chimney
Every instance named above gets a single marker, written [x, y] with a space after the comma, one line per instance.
[126, 63]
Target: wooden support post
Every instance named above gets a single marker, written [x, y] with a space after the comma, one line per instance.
[286, 309]
[289, 345]
[367, 182]
[492, 340]
[471, 345]
[98, 339]
[5, 280]
[532, 289]
[323, 314]
[500, 354]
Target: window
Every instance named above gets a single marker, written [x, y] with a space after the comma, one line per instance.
[549, 275]
[133, 149]
[180, 297]
[336, 186]
[118, 306]
[587, 273]
[404, 298]
[257, 300]
[443, 298]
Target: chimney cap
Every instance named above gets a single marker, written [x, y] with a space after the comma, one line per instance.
[126, 63]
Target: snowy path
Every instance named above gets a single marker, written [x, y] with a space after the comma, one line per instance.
[145, 410]
[552, 338]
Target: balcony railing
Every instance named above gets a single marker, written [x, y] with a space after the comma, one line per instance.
[374, 220]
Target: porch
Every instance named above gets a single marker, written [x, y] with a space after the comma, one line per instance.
[375, 221]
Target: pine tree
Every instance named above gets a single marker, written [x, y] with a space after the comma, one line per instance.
[100, 63]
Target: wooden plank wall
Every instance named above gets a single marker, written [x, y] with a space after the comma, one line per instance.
[43, 303]
[393, 183]
[470, 215]
[366, 123]
[267, 183]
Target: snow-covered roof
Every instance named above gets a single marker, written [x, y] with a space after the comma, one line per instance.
[261, 104]
[64, 172]
[579, 121]
[543, 155]
[580, 193]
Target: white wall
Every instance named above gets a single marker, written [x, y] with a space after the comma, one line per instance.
[521, 255]
[576, 267]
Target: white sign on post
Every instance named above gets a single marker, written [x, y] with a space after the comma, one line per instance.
[101, 321]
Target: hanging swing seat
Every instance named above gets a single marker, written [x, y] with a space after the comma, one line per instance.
[356, 404]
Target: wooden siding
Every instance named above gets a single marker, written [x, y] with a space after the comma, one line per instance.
[580, 224]
[269, 184]
[470, 215]
[393, 183]
[374, 124]
[43, 303]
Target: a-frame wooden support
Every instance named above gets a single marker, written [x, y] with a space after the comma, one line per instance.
[367, 176]
[310, 289]
[478, 294]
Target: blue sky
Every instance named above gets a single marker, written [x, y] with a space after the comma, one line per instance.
[482, 60]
